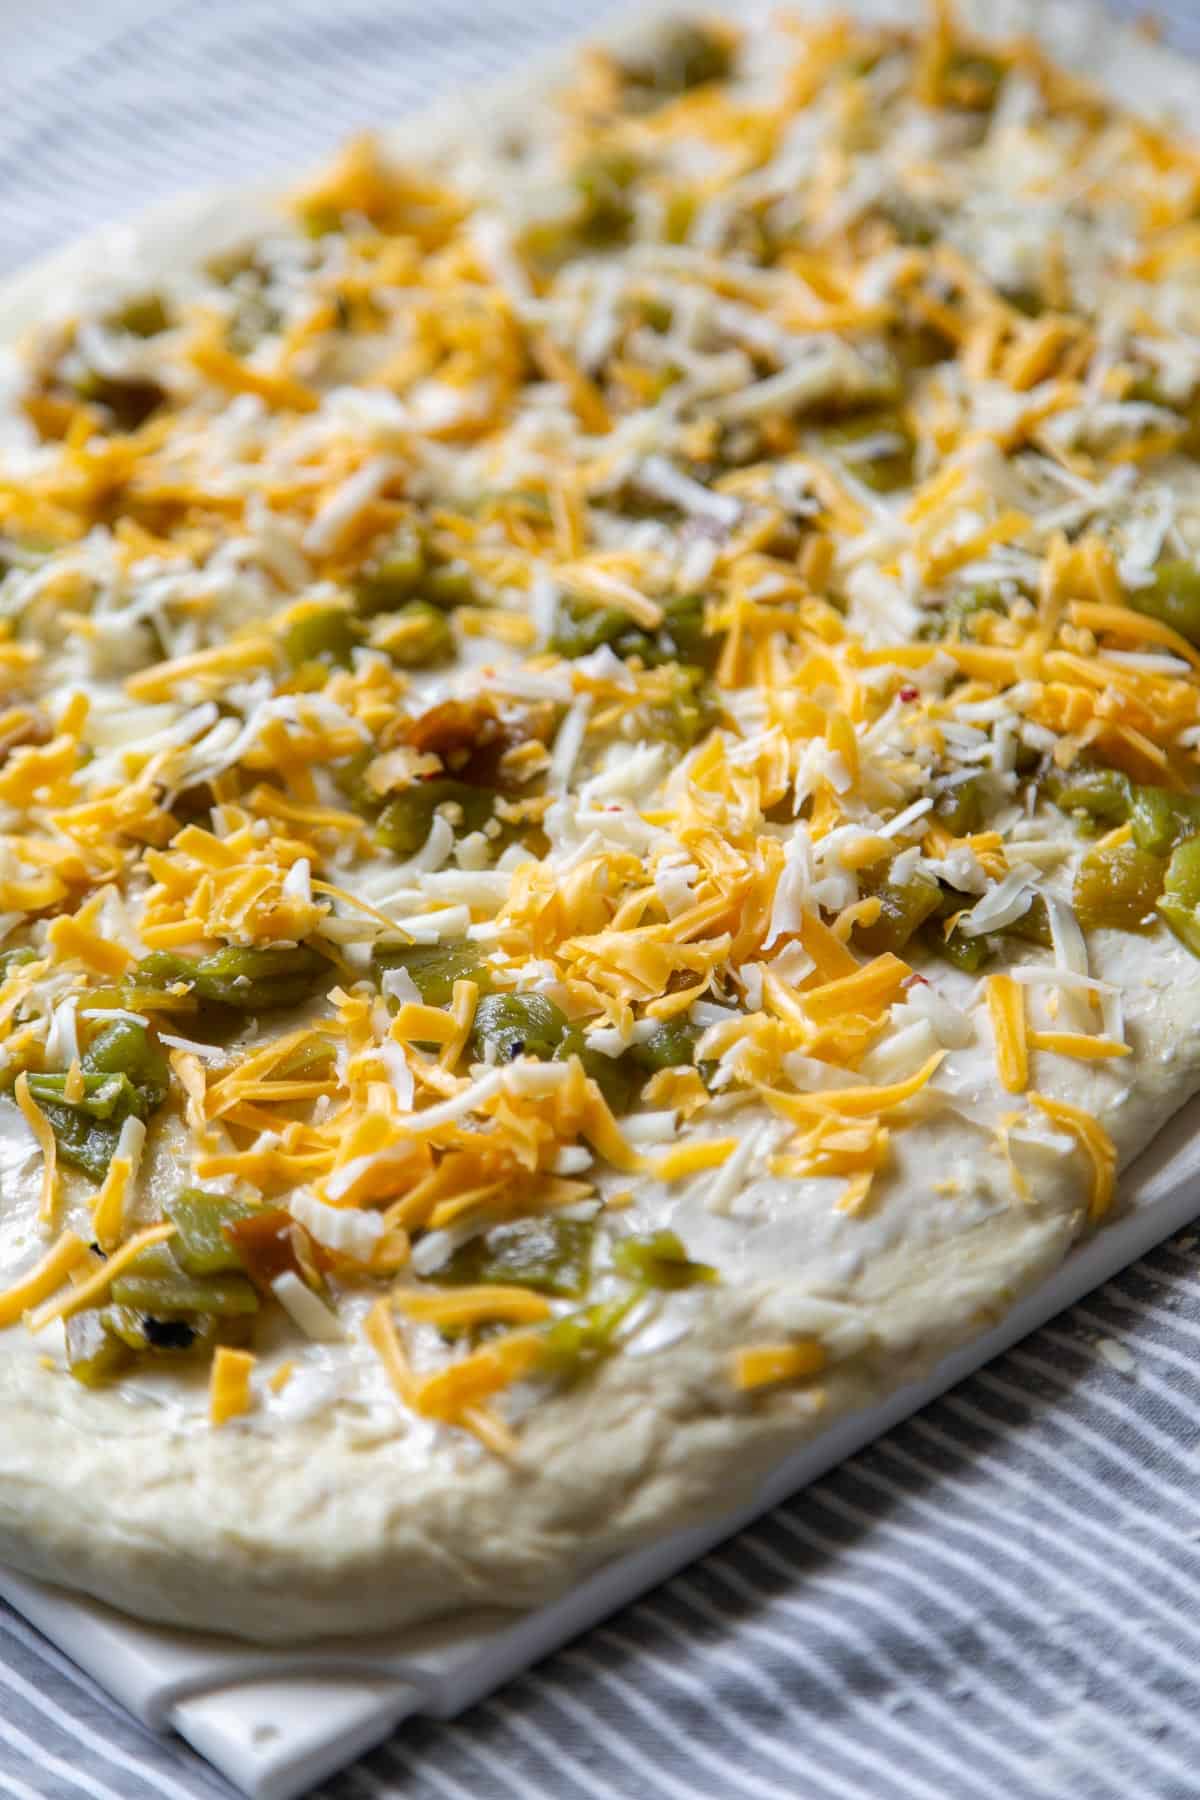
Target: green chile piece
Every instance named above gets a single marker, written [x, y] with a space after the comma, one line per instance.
[142, 315]
[681, 638]
[326, 634]
[962, 952]
[603, 180]
[254, 978]
[154, 1283]
[15, 958]
[200, 1245]
[195, 1334]
[1117, 887]
[427, 636]
[1180, 902]
[434, 968]
[124, 1073]
[548, 1254]
[689, 713]
[962, 808]
[575, 1344]
[671, 1045]
[888, 468]
[512, 1025]
[1173, 598]
[130, 399]
[1033, 926]
[407, 569]
[95, 1355]
[613, 1075]
[1104, 795]
[405, 821]
[685, 55]
[904, 908]
[1160, 818]
[659, 1261]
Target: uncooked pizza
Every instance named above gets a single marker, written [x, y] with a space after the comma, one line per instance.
[599, 822]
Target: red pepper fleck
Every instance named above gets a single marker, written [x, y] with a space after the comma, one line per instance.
[910, 693]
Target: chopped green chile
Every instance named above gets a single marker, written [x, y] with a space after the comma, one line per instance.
[95, 1355]
[126, 1048]
[1104, 795]
[691, 710]
[575, 1344]
[671, 1045]
[125, 1074]
[154, 1283]
[420, 635]
[434, 968]
[548, 1254]
[966, 953]
[408, 569]
[108, 1097]
[889, 464]
[684, 55]
[961, 809]
[325, 634]
[1117, 887]
[510, 1025]
[256, 978]
[903, 909]
[613, 1075]
[659, 1261]
[196, 1334]
[1160, 817]
[602, 181]
[16, 958]
[1180, 902]
[1173, 597]
[130, 400]
[405, 822]
[971, 78]
[1033, 926]
[142, 315]
[681, 638]
[201, 1245]
[86, 1143]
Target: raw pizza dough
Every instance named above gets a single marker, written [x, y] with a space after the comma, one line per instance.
[330, 1506]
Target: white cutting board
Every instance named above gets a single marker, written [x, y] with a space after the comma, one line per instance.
[277, 1722]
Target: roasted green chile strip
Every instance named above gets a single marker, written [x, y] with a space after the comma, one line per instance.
[433, 968]
[154, 1283]
[405, 822]
[1180, 902]
[1173, 597]
[551, 1255]
[1117, 887]
[124, 1074]
[250, 979]
[510, 1025]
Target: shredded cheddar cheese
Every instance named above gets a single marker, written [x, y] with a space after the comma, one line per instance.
[770, 1365]
[542, 699]
[229, 1387]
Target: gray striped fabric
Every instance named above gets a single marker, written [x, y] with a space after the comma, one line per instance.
[999, 1601]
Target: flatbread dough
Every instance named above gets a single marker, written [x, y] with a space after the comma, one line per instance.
[331, 1507]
